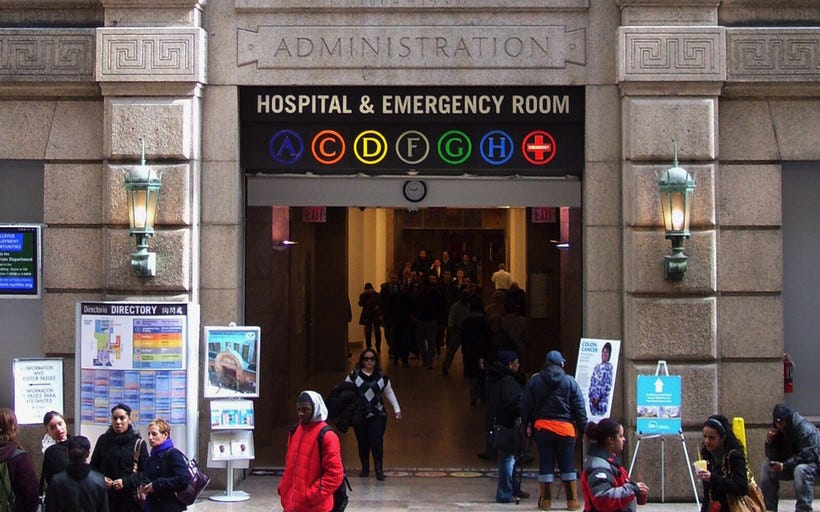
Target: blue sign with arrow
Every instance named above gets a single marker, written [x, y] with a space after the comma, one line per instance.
[659, 401]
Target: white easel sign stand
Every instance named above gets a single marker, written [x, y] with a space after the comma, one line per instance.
[659, 416]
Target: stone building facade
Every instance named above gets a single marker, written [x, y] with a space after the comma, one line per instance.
[735, 82]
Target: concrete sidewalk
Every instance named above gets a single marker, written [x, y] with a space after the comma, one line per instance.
[420, 491]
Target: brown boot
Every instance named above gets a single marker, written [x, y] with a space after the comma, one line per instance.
[572, 495]
[545, 500]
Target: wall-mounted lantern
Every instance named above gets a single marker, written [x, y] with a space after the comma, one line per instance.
[676, 187]
[142, 188]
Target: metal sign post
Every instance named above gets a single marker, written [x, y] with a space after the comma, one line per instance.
[657, 430]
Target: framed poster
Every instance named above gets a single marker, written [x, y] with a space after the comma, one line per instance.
[38, 389]
[21, 261]
[233, 359]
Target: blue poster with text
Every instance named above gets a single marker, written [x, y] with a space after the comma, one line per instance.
[659, 399]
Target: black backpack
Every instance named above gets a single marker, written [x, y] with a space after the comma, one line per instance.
[340, 498]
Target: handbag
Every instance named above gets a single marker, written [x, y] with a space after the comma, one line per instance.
[139, 496]
[752, 501]
[196, 483]
[503, 438]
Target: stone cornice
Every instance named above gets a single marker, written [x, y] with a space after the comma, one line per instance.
[151, 55]
[46, 55]
[153, 4]
[667, 3]
[417, 5]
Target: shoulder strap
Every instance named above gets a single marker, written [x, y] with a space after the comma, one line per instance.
[324, 429]
[137, 448]
[15, 453]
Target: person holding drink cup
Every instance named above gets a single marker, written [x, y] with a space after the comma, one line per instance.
[725, 471]
[605, 482]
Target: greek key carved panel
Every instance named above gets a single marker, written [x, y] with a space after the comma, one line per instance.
[158, 55]
[773, 54]
[47, 55]
[670, 53]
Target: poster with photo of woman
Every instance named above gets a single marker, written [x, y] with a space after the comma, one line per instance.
[595, 373]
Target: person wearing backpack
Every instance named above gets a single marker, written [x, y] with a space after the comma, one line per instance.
[312, 473]
[18, 480]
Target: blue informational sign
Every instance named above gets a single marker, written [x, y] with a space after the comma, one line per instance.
[659, 399]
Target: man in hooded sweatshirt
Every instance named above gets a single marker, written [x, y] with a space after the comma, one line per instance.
[311, 476]
[792, 453]
[554, 411]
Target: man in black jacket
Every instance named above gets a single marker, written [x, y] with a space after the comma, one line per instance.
[792, 453]
[78, 488]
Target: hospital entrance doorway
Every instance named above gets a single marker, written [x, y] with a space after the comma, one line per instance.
[306, 266]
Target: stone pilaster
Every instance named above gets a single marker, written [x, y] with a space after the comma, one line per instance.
[671, 67]
[151, 78]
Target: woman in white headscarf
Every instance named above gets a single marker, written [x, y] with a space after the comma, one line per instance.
[312, 474]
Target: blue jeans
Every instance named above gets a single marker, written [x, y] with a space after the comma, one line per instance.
[552, 448]
[507, 486]
[803, 475]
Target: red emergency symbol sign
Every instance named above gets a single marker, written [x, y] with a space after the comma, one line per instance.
[538, 147]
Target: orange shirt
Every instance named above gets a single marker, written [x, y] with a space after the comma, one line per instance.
[557, 427]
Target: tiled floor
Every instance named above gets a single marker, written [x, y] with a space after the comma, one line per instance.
[430, 455]
[415, 493]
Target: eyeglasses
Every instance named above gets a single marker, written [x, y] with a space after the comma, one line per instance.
[368, 359]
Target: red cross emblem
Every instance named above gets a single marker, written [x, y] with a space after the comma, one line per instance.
[538, 147]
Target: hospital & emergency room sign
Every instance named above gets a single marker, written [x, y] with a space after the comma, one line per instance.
[528, 131]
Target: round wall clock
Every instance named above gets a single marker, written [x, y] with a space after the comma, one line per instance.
[414, 190]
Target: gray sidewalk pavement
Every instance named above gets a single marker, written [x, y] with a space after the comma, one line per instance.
[433, 491]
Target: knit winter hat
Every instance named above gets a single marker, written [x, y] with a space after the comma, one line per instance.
[507, 356]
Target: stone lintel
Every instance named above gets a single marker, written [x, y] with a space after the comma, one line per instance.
[153, 4]
[48, 90]
[671, 88]
[152, 89]
[156, 54]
